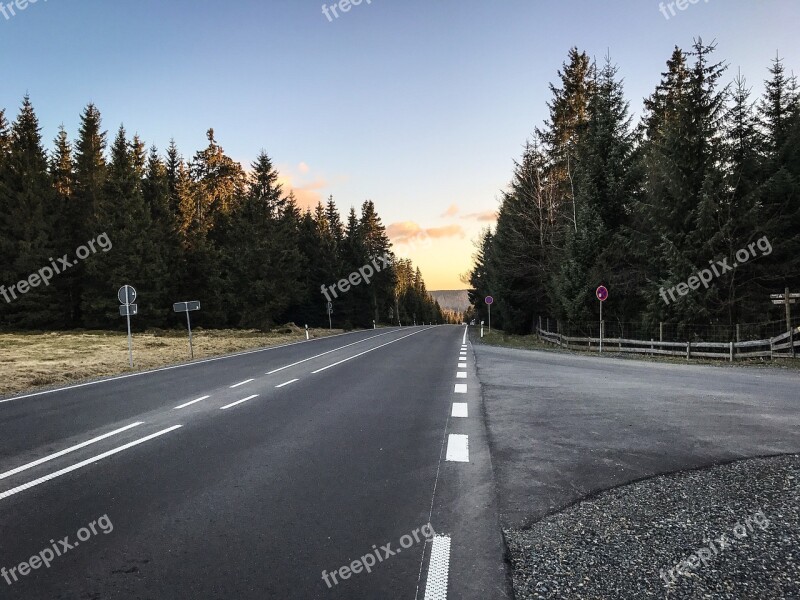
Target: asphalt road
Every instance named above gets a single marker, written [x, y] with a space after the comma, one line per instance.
[563, 427]
[249, 476]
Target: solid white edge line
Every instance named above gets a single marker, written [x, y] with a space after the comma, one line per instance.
[300, 362]
[461, 388]
[36, 463]
[232, 404]
[88, 461]
[461, 410]
[171, 367]
[287, 383]
[192, 402]
[368, 351]
[457, 448]
[241, 383]
[438, 569]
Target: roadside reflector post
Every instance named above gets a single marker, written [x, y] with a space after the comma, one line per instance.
[307, 332]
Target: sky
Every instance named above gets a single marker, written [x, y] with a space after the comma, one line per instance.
[420, 106]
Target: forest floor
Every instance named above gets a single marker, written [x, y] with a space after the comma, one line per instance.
[37, 360]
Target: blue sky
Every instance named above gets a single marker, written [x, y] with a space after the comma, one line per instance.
[418, 105]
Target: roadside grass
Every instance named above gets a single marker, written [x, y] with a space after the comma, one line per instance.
[37, 360]
[532, 342]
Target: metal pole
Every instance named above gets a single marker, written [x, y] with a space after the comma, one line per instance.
[330, 321]
[601, 328]
[130, 341]
[789, 322]
[189, 324]
[490, 317]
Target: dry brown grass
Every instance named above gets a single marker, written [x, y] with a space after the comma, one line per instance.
[33, 360]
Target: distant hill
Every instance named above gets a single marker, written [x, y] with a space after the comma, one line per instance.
[452, 299]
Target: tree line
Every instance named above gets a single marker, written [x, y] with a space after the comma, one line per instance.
[639, 207]
[202, 229]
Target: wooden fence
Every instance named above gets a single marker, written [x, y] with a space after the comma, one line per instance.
[786, 345]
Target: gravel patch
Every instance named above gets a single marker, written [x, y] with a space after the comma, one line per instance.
[623, 542]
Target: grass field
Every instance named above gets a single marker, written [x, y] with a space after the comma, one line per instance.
[33, 360]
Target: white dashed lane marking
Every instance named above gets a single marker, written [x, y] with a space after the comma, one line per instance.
[287, 383]
[457, 448]
[84, 463]
[461, 375]
[439, 569]
[232, 404]
[460, 409]
[462, 365]
[36, 463]
[241, 383]
[461, 388]
[192, 402]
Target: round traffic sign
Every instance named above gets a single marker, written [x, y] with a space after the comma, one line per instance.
[126, 294]
[489, 300]
[602, 293]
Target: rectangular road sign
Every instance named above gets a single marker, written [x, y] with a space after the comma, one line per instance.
[129, 310]
[186, 306]
[791, 301]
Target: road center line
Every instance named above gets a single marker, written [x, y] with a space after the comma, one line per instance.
[461, 374]
[41, 461]
[299, 362]
[88, 461]
[287, 383]
[241, 383]
[192, 402]
[368, 351]
[461, 388]
[462, 365]
[232, 404]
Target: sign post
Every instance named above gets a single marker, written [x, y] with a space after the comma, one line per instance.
[489, 301]
[787, 299]
[187, 307]
[127, 297]
[602, 295]
[330, 312]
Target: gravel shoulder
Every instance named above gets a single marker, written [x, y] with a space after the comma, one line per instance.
[727, 532]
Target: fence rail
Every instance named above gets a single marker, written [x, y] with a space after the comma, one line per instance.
[786, 345]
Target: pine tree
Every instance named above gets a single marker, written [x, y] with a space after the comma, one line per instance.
[26, 228]
[90, 176]
[62, 172]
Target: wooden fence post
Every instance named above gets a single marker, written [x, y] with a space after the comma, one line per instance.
[688, 350]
